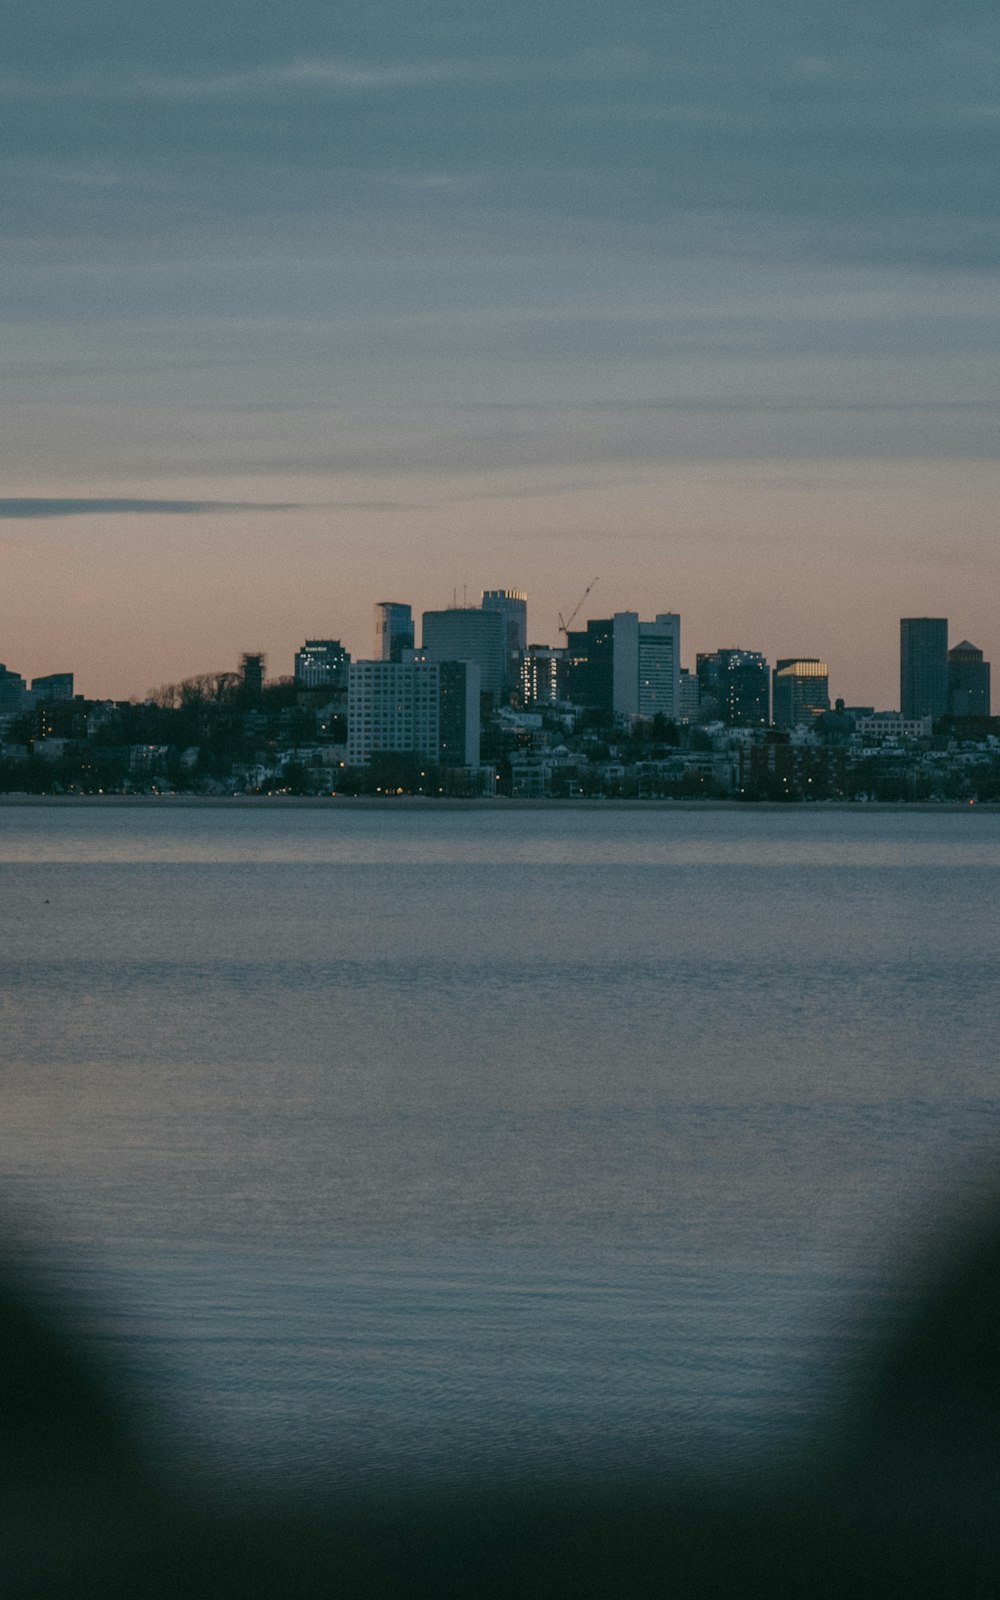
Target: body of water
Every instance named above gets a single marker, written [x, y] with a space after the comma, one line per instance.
[399, 1140]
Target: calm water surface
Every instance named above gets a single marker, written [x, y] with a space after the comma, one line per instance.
[406, 1140]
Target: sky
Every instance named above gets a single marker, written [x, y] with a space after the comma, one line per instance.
[309, 308]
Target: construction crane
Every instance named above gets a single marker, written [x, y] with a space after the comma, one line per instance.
[564, 627]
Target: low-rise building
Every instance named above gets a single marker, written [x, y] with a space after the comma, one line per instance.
[893, 725]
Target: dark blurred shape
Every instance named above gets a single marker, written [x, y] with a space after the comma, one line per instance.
[901, 1501]
[931, 1430]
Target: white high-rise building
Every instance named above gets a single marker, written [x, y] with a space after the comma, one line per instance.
[646, 665]
[428, 707]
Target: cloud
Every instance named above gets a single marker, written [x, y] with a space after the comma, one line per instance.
[832, 131]
[216, 235]
[307, 73]
[27, 507]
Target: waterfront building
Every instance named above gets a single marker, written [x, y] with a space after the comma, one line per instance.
[321, 664]
[801, 691]
[923, 666]
[646, 665]
[968, 681]
[735, 687]
[427, 708]
[393, 630]
[466, 633]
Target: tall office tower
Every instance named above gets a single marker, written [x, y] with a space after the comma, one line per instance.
[54, 686]
[735, 687]
[646, 665]
[589, 670]
[689, 703]
[428, 707]
[458, 713]
[512, 605]
[801, 688]
[968, 681]
[252, 678]
[542, 670]
[13, 690]
[923, 666]
[466, 633]
[393, 630]
[322, 664]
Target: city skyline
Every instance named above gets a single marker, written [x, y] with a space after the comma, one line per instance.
[687, 657]
[305, 310]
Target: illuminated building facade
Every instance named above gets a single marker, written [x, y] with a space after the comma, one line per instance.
[735, 687]
[801, 691]
[321, 664]
[542, 670]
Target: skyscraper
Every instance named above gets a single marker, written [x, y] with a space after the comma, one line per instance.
[393, 630]
[589, 665]
[466, 633]
[542, 673]
[968, 681]
[923, 666]
[735, 686]
[801, 690]
[321, 664]
[647, 665]
[513, 606]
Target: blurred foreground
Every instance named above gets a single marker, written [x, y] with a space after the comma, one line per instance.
[902, 1497]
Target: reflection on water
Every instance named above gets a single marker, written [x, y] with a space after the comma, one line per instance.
[345, 834]
[411, 1137]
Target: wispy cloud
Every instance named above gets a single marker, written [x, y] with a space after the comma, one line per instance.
[306, 73]
[27, 507]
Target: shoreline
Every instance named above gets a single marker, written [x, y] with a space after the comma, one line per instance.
[412, 802]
